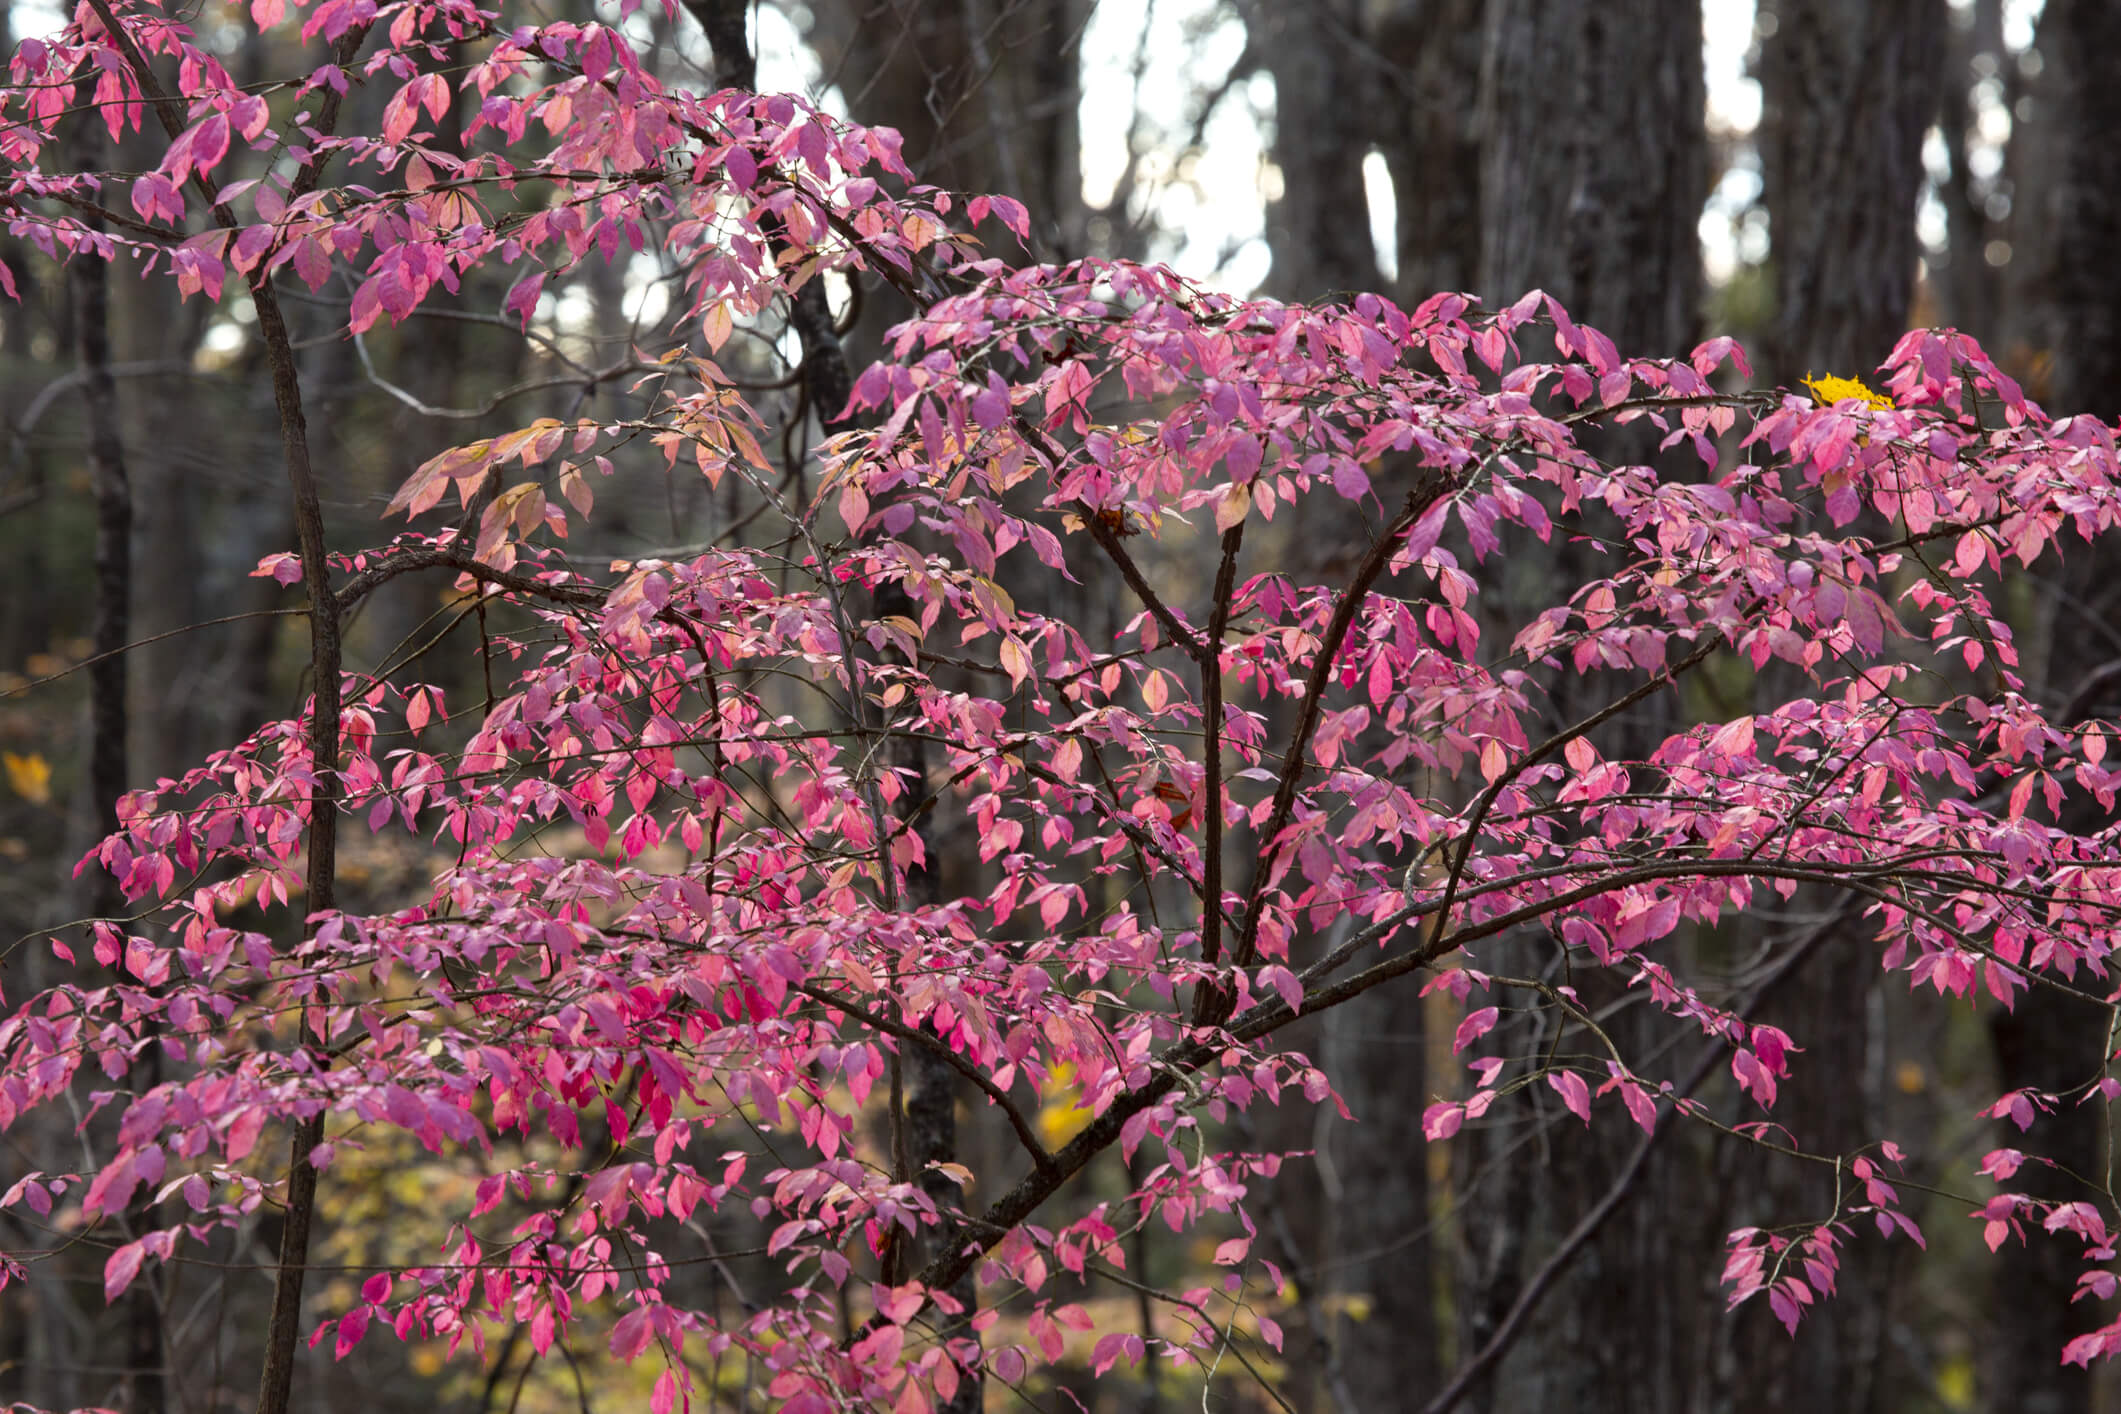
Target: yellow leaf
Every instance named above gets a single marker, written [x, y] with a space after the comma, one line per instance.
[718, 326]
[1062, 1116]
[920, 232]
[31, 776]
[575, 489]
[530, 511]
[1833, 389]
[1015, 661]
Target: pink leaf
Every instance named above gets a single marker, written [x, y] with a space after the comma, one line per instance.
[352, 1326]
[900, 1304]
[522, 299]
[1475, 1026]
[631, 1335]
[120, 1269]
[1733, 738]
[1574, 1093]
[210, 142]
[1785, 1308]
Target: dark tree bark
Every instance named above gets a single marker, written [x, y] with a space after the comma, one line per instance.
[1380, 1239]
[1849, 87]
[2083, 211]
[1429, 133]
[1326, 78]
[1557, 144]
[1593, 175]
[985, 92]
[1969, 291]
[174, 555]
[1595, 163]
[1849, 90]
[1352, 1226]
[2052, 1042]
[88, 285]
[2047, 1043]
[1832, 1103]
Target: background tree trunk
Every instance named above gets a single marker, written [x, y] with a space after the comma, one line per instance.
[2076, 285]
[1429, 133]
[1849, 87]
[1594, 172]
[1595, 164]
[1352, 1226]
[1325, 89]
[88, 284]
[985, 92]
[1849, 90]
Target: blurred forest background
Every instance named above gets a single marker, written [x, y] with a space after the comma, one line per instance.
[1812, 176]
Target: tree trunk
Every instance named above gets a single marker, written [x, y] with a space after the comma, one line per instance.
[1325, 81]
[1849, 90]
[1968, 290]
[1849, 87]
[1595, 168]
[2083, 216]
[88, 285]
[1593, 176]
[1429, 133]
[2049, 1042]
[985, 92]
[1381, 1246]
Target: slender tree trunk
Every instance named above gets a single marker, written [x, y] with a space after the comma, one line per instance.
[88, 285]
[89, 290]
[2043, 1043]
[929, 1086]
